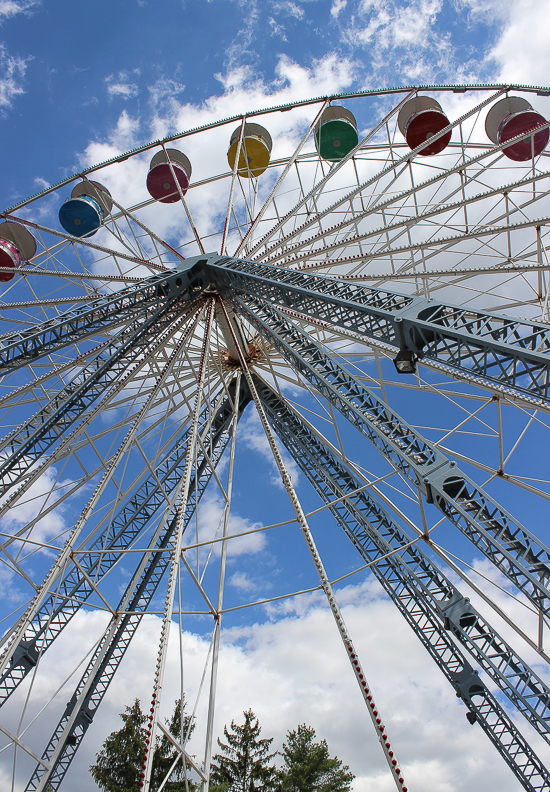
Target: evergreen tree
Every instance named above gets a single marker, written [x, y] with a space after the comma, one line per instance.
[165, 753]
[244, 765]
[308, 766]
[119, 763]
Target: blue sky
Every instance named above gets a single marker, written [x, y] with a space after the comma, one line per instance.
[67, 75]
[81, 83]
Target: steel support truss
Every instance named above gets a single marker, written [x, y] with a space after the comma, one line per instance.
[90, 319]
[431, 604]
[505, 353]
[214, 429]
[523, 558]
[27, 444]
[508, 353]
[117, 535]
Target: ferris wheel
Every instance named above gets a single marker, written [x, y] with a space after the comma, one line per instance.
[369, 273]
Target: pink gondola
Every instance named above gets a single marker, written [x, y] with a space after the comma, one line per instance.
[514, 116]
[161, 184]
[17, 244]
[419, 120]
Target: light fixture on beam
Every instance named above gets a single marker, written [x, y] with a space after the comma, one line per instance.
[405, 361]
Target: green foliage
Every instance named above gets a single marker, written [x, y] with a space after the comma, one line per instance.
[119, 763]
[244, 765]
[308, 767]
[165, 753]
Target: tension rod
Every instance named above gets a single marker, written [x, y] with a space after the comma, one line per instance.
[351, 652]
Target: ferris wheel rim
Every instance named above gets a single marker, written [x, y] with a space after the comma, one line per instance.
[443, 87]
[336, 342]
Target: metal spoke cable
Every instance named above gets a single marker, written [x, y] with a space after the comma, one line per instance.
[520, 555]
[135, 602]
[525, 689]
[375, 535]
[351, 651]
[128, 524]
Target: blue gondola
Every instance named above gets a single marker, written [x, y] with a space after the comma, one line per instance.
[84, 212]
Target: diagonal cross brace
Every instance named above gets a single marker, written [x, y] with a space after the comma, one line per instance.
[88, 319]
[369, 528]
[376, 535]
[23, 447]
[518, 553]
[506, 352]
[130, 520]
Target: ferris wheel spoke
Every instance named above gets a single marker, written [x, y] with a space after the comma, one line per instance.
[80, 323]
[463, 339]
[403, 162]
[505, 542]
[403, 226]
[86, 243]
[118, 532]
[389, 249]
[79, 437]
[139, 593]
[183, 493]
[131, 216]
[319, 186]
[410, 578]
[40, 432]
[248, 238]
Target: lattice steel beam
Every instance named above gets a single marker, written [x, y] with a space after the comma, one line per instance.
[518, 553]
[131, 520]
[506, 352]
[18, 349]
[95, 681]
[27, 444]
[455, 613]
[375, 535]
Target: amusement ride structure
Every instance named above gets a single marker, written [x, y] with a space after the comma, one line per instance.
[371, 273]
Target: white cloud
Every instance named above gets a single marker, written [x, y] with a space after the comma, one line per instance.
[164, 90]
[290, 8]
[211, 524]
[241, 45]
[522, 53]
[337, 7]
[290, 670]
[37, 500]
[405, 43]
[12, 73]
[277, 29]
[9, 8]
[242, 581]
[120, 85]
[252, 436]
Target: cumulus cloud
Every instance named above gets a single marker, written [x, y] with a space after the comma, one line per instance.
[521, 52]
[120, 85]
[12, 74]
[164, 90]
[242, 581]
[403, 42]
[293, 669]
